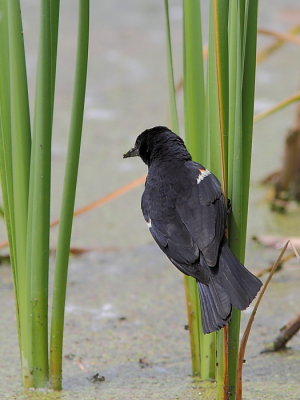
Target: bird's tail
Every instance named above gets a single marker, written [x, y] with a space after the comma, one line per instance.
[215, 306]
[231, 285]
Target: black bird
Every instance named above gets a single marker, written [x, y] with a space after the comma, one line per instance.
[186, 212]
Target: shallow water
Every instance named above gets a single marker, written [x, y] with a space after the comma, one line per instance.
[125, 312]
[125, 320]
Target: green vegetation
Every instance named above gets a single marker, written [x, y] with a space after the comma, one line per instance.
[218, 119]
[63, 246]
[25, 178]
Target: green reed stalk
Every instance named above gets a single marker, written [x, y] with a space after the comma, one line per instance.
[5, 150]
[248, 92]
[39, 205]
[240, 158]
[39, 196]
[218, 126]
[5, 134]
[194, 111]
[211, 159]
[20, 156]
[217, 110]
[219, 21]
[171, 84]
[212, 117]
[203, 363]
[235, 185]
[66, 218]
[25, 170]
[241, 67]
[54, 15]
[194, 93]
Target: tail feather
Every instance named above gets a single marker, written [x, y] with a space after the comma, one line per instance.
[215, 307]
[240, 284]
[230, 285]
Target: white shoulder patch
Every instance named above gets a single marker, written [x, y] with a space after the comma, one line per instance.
[149, 223]
[203, 174]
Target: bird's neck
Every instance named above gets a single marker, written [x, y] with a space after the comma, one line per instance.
[170, 153]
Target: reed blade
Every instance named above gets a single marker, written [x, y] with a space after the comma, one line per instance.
[20, 163]
[171, 84]
[195, 138]
[68, 199]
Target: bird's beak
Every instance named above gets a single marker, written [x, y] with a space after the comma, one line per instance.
[132, 153]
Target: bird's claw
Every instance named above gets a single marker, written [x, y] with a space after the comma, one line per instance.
[229, 207]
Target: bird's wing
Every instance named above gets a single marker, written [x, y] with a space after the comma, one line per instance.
[203, 211]
[168, 231]
[188, 221]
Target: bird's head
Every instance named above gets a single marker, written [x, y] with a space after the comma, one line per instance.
[158, 143]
